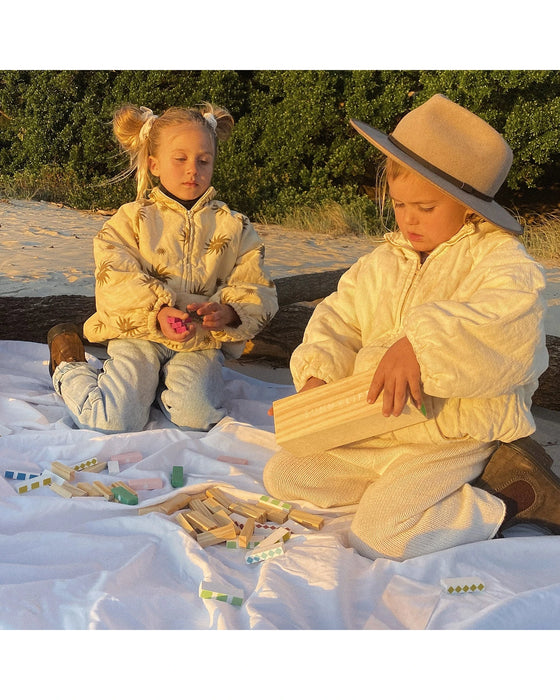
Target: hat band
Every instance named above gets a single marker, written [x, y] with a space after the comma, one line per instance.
[432, 168]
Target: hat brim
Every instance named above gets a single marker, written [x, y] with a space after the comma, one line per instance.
[489, 210]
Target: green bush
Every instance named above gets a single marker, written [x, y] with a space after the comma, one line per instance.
[292, 148]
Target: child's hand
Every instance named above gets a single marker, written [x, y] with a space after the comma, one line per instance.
[398, 375]
[215, 316]
[165, 316]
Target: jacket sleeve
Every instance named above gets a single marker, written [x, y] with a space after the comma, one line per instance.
[491, 342]
[128, 298]
[333, 337]
[249, 289]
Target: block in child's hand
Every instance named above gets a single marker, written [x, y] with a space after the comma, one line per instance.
[179, 325]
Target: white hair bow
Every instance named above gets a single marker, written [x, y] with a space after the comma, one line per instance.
[211, 119]
[149, 117]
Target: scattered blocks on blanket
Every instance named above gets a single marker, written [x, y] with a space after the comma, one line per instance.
[337, 414]
[177, 477]
[233, 596]
[465, 584]
[246, 532]
[89, 489]
[184, 523]
[61, 490]
[123, 495]
[19, 476]
[217, 535]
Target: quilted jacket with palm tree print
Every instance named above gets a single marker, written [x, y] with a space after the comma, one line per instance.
[154, 252]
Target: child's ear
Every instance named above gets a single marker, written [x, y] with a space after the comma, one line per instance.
[469, 215]
[153, 165]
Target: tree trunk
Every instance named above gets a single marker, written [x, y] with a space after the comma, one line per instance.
[29, 319]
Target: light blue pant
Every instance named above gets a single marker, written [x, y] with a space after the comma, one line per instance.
[188, 387]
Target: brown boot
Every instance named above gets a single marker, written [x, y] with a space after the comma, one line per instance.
[65, 345]
[519, 473]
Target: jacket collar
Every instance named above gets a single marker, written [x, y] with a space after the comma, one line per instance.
[157, 195]
[398, 239]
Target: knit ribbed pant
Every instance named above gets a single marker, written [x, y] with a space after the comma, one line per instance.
[411, 486]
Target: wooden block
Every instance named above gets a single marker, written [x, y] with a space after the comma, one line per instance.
[199, 521]
[270, 502]
[465, 584]
[248, 511]
[123, 495]
[113, 466]
[232, 460]
[221, 518]
[217, 535]
[197, 505]
[32, 484]
[64, 471]
[213, 505]
[257, 555]
[156, 508]
[61, 490]
[88, 488]
[96, 467]
[315, 522]
[175, 503]
[246, 532]
[218, 495]
[233, 596]
[280, 534]
[127, 458]
[105, 491]
[275, 515]
[147, 484]
[83, 465]
[124, 485]
[177, 477]
[337, 414]
[75, 490]
[184, 523]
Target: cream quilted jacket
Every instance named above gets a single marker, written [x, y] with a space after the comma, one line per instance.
[154, 252]
[473, 313]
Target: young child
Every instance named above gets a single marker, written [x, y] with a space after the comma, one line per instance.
[450, 305]
[177, 254]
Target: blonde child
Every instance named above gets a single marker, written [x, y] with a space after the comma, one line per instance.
[450, 305]
[180, 283]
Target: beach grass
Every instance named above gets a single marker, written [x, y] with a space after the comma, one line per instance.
[542, 238]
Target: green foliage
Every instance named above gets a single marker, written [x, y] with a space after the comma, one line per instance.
[292, 147]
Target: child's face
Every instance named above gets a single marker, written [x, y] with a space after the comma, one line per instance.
[424, 214]
[184, 161]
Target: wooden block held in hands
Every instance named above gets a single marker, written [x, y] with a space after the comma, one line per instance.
[337, 414]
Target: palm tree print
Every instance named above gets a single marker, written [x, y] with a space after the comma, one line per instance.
[126, 326]
[102, 275]
[160, 272]
[218, 244]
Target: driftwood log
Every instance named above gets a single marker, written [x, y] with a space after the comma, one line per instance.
[29, 319]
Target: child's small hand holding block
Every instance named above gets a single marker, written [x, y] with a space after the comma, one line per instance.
[337, 414]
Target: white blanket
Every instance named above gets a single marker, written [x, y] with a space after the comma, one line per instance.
[85, 563]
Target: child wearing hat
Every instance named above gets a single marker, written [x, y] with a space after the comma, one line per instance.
[451, 306]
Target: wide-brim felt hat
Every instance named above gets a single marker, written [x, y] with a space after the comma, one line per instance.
[455, 150]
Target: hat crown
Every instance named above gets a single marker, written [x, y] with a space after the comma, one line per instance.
[456, 142]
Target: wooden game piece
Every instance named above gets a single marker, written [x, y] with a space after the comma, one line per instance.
[89, 489]
[232, 460]
[19, 476]
[105, 491]
[248, 511]
[32, 484]
[127, 458]
[464, 584]
[246, 532]
[172, 505]
[64, 471]
[123, 495]
[199, 521]
[337, 414]
[126, 486]
[216, 535]
[177, 477]
[61, 490]
[148, 484]
[84, 465]
[233, 596]
[96, 467]
[113, 466]
[315, 522]
[218, 495]
[262, 554]
[184, 523]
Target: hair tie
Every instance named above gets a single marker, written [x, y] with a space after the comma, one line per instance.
[149, 117]
[211, 119]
